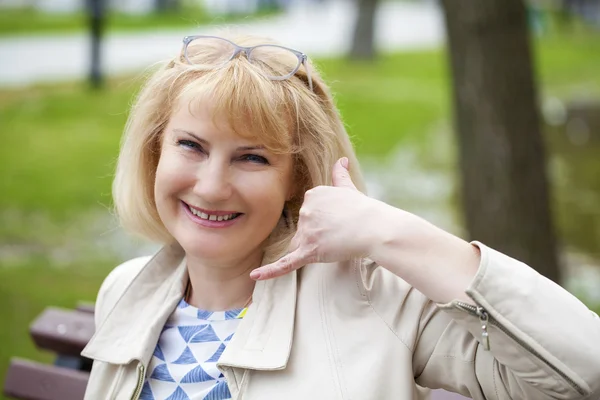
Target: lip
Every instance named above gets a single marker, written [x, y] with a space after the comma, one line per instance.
[208, 223]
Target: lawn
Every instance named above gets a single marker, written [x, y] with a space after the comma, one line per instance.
[59, 144]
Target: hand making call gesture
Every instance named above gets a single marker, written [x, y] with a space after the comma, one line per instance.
[338, 222]
[332, 226]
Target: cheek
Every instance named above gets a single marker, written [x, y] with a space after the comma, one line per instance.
[267, 194]
[170, 176]
[162, 178]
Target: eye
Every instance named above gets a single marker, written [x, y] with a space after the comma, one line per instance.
[254, 158]
[189, 144]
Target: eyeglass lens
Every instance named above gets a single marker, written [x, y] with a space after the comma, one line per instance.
[276, 62]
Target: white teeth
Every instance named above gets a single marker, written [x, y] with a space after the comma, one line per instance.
[212, 217]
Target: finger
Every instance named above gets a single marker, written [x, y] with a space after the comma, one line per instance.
[284, 265]
[341, 175]
[294, 243]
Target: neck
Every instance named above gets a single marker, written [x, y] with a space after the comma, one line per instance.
[220, 286]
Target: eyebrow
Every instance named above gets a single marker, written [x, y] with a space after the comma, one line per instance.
[206, 143]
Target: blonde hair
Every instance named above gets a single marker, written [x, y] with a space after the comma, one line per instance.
[284, 115]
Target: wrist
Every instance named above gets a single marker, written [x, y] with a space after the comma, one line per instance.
[435, 262]
[389, 231]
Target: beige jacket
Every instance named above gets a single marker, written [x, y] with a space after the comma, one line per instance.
[353, 330]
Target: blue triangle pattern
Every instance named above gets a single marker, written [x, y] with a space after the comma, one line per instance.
[178, 394]
[161, 373]
[220, 391]
[146, 392]
[203, 314]
[187, 357]
[215, 357]
[196, 375]
[158, 353]
[182, 304]
[187, 332]
[233, 314]
[228, 338]
[205, 335]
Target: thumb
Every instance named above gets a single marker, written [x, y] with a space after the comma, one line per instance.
[341, 176]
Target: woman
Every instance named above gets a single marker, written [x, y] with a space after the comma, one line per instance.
[280, 279]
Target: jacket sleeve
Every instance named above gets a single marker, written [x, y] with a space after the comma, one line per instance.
[527, 338]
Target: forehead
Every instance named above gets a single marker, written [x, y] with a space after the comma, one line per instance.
[235, 99]
[201, 119]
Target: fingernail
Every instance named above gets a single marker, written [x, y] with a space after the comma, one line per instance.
[344, 162]
[255, 274]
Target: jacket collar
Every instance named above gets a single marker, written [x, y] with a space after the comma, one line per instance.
[263, 340]
[132, 327]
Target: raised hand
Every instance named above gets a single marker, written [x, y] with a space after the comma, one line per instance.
[333, 226]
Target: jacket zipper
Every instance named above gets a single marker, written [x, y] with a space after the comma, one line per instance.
[485, 319]
[140, 382]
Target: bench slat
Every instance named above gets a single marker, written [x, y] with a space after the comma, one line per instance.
[62, 331]
[34, 381]
[86, 307]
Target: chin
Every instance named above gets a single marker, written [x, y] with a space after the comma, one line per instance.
[202, 247]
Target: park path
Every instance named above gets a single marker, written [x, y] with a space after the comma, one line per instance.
[323, 30]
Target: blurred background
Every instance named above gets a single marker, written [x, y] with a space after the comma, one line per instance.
[483, 119]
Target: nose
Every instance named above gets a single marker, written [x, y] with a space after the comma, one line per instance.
[213, 182]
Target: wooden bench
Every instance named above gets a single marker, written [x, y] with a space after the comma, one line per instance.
[65, 333]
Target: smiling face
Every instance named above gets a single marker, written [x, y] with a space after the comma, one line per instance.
[218, 194]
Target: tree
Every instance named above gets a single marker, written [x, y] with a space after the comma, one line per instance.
[363, 41]
[166, 5]
[505, 191]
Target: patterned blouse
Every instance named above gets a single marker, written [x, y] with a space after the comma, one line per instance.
[184, 364]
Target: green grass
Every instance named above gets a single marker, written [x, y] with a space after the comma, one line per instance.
[570, 66]
[28, 21]
[393, 100]
[27, 289]
[59, 147]
[59, 144]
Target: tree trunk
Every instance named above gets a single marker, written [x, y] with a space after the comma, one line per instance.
[166, 5]
[363, 41]
[505, 190]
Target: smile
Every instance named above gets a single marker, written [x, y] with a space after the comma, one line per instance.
[212, 215]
